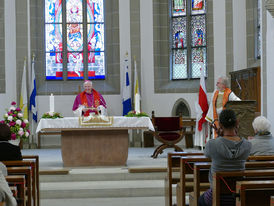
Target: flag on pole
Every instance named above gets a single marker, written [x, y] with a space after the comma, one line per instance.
[23, 95]
[126, 88]
[33, 99]
[201, 132]
[137, 97]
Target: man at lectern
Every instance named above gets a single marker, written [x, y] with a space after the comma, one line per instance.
[220, 97]
[88, 100]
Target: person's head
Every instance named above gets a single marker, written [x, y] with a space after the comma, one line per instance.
[5, 133]
[88, 86]
[261, 125]
[228, 119]
[222, 83]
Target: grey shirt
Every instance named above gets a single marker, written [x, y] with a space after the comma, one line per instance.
[227, 155]
[262, 145]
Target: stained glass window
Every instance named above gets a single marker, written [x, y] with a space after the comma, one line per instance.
[258, 31]
[188, 38]
[79, 37]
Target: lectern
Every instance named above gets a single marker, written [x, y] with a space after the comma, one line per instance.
[245, 111]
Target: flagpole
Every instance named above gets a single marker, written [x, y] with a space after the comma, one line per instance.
[32, 120]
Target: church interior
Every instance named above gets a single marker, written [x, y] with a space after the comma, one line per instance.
[157, 49]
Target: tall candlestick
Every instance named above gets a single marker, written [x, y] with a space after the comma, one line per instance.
[51, 103]
[137, 103]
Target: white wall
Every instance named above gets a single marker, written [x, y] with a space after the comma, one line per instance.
[10, 57]
[269, 68]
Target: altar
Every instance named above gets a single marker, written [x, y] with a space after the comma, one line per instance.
[84, 144]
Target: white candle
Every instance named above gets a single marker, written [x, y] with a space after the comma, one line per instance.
[51, 103]
[137, 103]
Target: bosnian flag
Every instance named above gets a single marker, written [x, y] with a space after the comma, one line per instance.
[126, 88]
[201, 133]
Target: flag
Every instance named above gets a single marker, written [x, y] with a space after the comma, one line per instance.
[126, 89]
[23, 95]
[33, 99]
[201, 132]
[137, 97]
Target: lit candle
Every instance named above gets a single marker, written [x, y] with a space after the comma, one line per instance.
[51, 103]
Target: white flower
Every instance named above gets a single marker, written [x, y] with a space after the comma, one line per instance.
[20, 115]
[21, 129]
[18, 121]
[10, 118]
[21, 133]
[12, 108]
[51, 113]
[6, 115]
[26, 121]
[27, 134]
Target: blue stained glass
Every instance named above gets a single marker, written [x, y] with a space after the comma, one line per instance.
[178, 7]
[75, 66]
[54, 66]
[75, 37]
[53, 11]
[198, 30]
[74, 10]
[96, 65]
[198, 7]
[95, 11]
[53, 37]
[198, 61]
[179, 32]
[95, 37]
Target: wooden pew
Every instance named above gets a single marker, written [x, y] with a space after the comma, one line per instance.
[36, 182]
[173, 165]
[19, 182]
[26, 171]
[253, 193]
[220, 188]
[272, 201]
[186, 167]
[29, 163]
[201, 171]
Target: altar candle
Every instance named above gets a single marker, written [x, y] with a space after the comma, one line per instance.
[137, 103]
[51, 103]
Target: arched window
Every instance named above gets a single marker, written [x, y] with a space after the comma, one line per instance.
[74, 39]
[189, 46]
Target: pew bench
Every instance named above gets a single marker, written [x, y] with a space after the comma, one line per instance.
[173, 166]
[253, 193]
[18, 181]
[225, 182]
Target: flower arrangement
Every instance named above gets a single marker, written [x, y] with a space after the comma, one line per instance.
[52, 115]
[19, 127]
[134, 114]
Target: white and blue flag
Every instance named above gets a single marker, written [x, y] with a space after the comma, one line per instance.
[126, 88]
[33, 99]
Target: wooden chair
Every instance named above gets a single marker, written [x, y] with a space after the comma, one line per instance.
[225, 182]
[169, 131]
[173, 165]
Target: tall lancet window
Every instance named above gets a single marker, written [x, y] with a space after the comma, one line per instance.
[74, 39]
[188, 31]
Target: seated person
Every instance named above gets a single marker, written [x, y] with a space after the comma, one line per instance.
[228, 153]
[90, 99]
[263, 141]
[6, 197]
[8, 151]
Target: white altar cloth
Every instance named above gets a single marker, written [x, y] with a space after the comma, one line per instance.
[119, 122]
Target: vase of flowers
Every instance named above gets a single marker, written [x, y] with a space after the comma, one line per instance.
[135, 114]
[19, 126]
[52, 115]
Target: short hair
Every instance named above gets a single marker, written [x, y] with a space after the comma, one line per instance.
[87, 82]
[5, 133]
[228, 118]
[261, 124]
[224, 80]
